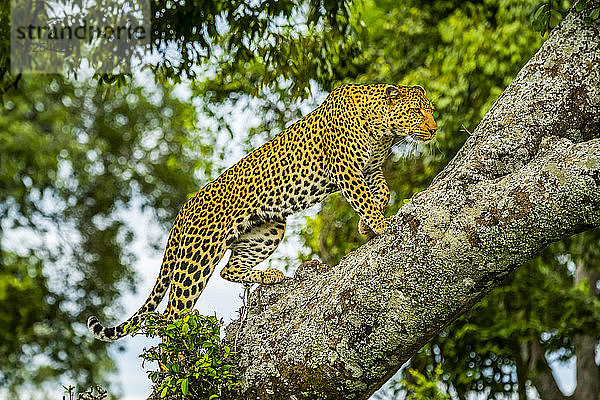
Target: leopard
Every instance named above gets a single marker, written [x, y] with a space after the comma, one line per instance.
[339, 146]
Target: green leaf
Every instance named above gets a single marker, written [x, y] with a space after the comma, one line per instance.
[539, 25]
[184, 386]
[581, 5]
[555, 18]
[540, 10]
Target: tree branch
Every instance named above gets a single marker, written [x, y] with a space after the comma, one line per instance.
[529, 175]
[541, 373]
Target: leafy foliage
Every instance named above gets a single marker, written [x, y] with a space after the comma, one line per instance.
[71, 163]
[244, 46]
[591, 9]
[547, 15]
[96, 392]
[191, 359]
[424, 386]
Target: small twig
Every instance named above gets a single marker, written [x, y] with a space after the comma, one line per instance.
[243, 311]
[89, 394]
[466, 130]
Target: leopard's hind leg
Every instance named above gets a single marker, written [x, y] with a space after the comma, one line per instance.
[197, 258]
[250, 249]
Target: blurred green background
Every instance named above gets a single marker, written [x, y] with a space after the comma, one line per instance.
[76, 153]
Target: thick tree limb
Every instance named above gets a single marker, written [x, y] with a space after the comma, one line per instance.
[529, 175]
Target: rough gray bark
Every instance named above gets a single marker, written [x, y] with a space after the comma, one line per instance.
[529, 175]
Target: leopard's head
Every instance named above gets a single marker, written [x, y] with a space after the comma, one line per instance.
[410, 112]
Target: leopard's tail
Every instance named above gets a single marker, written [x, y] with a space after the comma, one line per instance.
[109, 334]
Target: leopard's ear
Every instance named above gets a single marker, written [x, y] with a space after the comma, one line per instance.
[419, 88]
[392, 92]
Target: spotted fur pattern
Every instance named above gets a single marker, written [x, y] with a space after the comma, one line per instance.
[339, 146]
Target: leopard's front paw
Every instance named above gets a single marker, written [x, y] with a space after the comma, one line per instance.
[378, 230]
[271, 276]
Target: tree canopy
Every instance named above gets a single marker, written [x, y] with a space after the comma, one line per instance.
[71, 162]
[243, 46]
